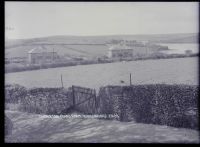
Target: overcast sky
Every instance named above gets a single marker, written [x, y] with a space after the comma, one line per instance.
[38, 19]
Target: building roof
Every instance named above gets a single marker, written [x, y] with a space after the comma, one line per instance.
[40, 49]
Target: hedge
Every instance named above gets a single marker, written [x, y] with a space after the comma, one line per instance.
[15, 92]
[46, 101]
[54, 101]
[172, 105]
[38, 100]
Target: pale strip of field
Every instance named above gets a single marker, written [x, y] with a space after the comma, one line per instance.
[169, 71]
[42, 128]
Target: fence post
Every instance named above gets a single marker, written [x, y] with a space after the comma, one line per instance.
[95, 101]
[61, 81]
[73, 96]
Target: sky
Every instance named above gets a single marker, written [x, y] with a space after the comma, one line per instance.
[39, 19]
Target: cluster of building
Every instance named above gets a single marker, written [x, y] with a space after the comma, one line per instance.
[133, 49]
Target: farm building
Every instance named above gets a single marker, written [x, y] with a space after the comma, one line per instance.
[120, 52]
[41, 55]
[128, 51]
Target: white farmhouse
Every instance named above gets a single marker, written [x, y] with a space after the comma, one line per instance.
[41, 55]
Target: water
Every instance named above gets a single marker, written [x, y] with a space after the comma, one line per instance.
[181, 48]
[169, 71]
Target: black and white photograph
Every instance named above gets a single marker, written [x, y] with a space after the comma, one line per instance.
[101, 72]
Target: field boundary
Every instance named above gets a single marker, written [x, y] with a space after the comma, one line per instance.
[172, 105]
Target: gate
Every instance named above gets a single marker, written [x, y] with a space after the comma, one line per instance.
[84, 100]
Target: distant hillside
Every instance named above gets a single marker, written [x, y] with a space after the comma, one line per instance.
[179, 38]
[163, 38]
[89, 46]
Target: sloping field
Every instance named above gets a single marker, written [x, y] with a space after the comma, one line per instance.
[169, 71]
[91, 50]
[42, 128]
[18, 51]
[61, 49]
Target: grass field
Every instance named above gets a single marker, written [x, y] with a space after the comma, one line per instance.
[169, 71]
[42, 128]
[61, 49]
